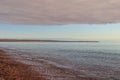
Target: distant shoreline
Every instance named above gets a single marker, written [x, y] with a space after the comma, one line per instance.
[28, 40]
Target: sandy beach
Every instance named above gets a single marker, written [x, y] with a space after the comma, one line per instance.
[10, 69]
[13, 70]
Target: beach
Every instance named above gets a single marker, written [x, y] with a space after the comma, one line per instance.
[13, 70]
[10, 69]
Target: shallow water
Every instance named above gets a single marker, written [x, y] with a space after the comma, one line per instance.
[63, 61]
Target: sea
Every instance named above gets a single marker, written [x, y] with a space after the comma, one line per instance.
[69, 60]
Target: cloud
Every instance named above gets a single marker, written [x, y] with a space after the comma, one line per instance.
[59, 11]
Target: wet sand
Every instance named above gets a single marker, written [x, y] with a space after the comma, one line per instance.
[13, 70]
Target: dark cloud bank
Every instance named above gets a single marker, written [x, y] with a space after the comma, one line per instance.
[59, 11]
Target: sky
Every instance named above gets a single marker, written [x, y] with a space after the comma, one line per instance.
[59, 11]
[100, 32]
[60, 19]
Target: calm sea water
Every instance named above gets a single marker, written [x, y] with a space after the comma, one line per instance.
[70, 61]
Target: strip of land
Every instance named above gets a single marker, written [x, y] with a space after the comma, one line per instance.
[25, 40]
[13, 70]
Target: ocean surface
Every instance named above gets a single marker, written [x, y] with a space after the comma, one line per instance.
[69, 61]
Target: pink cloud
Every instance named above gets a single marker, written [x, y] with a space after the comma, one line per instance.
[59, 11]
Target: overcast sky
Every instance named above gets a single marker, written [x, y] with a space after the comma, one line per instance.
[59, 11]
[101, 32]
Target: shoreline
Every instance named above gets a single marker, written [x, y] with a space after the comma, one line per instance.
[13, 70]
[10, 69]
[28, 40]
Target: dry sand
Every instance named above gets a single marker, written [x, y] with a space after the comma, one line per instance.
[12, 70]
